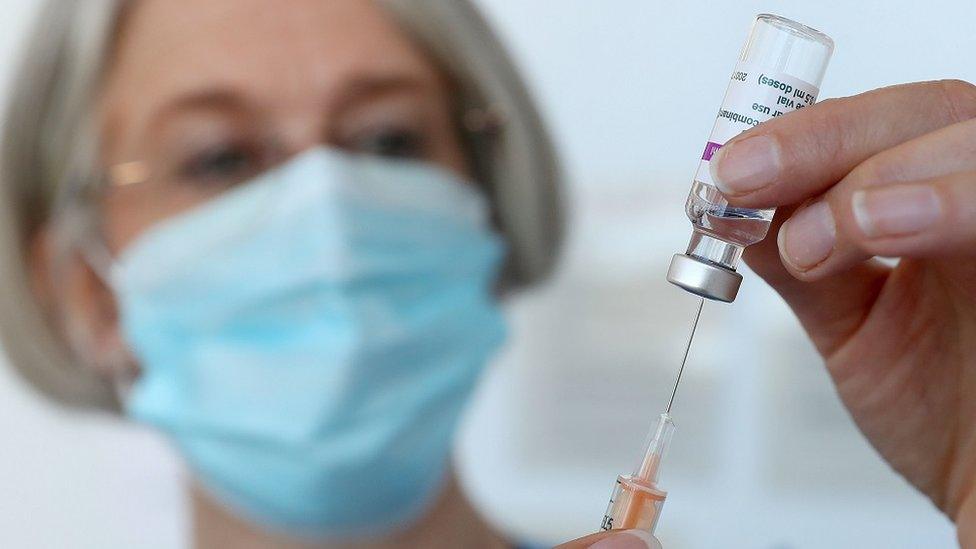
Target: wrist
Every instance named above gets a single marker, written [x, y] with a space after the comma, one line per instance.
[966, 522]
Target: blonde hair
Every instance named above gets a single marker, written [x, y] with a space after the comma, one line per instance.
[47, 139]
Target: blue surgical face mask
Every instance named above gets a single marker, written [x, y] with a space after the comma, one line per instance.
[309, 339]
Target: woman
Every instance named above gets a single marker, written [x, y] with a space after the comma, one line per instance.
[274, 234]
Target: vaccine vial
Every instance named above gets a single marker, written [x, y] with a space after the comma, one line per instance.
[780, 70]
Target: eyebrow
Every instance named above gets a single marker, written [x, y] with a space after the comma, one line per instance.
[358, 89]
[215, 98]
[366, 87]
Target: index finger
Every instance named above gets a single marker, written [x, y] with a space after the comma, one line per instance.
[796, 156]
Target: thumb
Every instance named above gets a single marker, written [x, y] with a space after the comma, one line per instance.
[626, 539]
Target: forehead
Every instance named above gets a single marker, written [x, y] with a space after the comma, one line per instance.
[268, 49]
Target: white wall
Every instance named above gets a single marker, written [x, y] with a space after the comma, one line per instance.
[764, 456]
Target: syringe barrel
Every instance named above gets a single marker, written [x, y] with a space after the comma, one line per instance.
[634, 505]
[780, 70]
[636, 501]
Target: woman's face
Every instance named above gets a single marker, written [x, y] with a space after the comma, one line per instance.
[201, 96]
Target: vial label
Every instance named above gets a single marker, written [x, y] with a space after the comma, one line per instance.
[754, 97]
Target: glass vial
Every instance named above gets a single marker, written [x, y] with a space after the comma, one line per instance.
[780, 70]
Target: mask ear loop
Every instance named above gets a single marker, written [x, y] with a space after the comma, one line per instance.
[75, 230]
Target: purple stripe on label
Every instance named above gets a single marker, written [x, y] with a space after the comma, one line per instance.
[710, 149]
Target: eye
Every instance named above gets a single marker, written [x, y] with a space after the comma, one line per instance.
[392, 143]
[224, 164]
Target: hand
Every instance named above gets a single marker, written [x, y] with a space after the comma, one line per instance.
[617, 539]
[887, 173]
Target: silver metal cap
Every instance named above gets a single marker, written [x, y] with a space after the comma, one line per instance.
[704, 279]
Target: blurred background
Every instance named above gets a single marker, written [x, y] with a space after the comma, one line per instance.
[764, 457]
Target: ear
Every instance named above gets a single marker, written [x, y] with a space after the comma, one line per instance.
[80, 304]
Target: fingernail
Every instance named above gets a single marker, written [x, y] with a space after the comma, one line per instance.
[628, 539]
[808, 238]
[745, 166]
[896, 211]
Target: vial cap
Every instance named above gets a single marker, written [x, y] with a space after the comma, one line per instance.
[704, 279]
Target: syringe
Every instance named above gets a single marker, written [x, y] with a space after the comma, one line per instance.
[637, 500]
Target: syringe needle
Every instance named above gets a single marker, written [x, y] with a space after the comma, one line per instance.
[636, 501]
[684, 360]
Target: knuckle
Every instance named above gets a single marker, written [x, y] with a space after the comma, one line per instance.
[826, 133]
[881, 168]
[959, 97]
